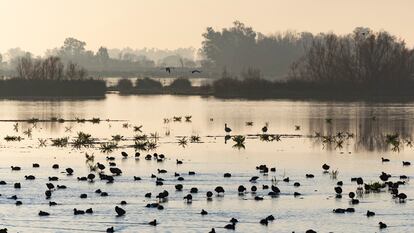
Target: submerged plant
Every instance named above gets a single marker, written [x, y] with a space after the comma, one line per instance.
[28, 132]
[60, 142]
[177, 119]
[16, 127]
[32, 120]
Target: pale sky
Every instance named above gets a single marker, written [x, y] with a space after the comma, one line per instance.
[36, 25]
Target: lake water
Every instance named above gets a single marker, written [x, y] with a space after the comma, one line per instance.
[297, 153]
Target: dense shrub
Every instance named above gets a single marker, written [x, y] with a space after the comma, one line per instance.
[180, 84]
[124, 85]
[148, 84]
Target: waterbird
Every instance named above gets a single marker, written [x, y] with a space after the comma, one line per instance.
[43, 213]
[203, 212]
[110, 230]
[219, 190]
[325, 167]
[264, 128]
[119, 211]
[153, 222]
[196, 71]
[384, 160]
[226, 129]
[382, 225]
[69, 171]
[15, 168]
[370, 213]
[406, 163]
[124, 154]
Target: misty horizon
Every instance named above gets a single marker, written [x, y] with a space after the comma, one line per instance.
[126, 25]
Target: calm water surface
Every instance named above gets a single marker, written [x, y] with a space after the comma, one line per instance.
[293, 156]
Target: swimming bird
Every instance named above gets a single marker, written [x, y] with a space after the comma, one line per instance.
[384, 160]
[153, 222]
[15, 168]
[406, 163]
[219, 190]
[124, 154]
[370, 213]
[196, 71]
[382, 225]
[254, 179]
[203, 212]
[110, 230]
[115, 170]
[43, 213]
[209, 194]
[325, 167]
[69, 171]
[264, 128]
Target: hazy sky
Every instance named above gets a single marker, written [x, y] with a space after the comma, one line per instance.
[36, 25]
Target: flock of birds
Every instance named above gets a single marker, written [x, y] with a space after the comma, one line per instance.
[108, 172]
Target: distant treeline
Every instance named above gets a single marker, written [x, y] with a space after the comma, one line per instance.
[50, 77]
[112, 62]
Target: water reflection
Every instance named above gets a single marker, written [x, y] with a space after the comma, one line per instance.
[369, 123]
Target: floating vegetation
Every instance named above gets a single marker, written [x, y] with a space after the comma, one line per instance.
[249, 123]
[61, 120]
[138, 128]
[96, 120]
[265, 137]
[183, 141]
[42, 142]
[13, 138]
[394, 141]
[53, 119]
[166, 120]
[188, 118]
[125, 125]
[28, 132]
[32, 120]
[195, 139]
[155, 136]
[108, 147]
[83, 140]
[142, 137]
[239, 140]
[141, 145]
[80, 120]
[177, 119]
[68, 129]
[60, 142]
[117, 137]
[328, 120]
[16, 127]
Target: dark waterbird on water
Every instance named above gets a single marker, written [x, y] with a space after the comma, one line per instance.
[196, 71]
[325, 167]
[382, 225]
[188, 198]
[209, 194]
[35, 165]
[406, 163]
[124, 154]
[203, 212]
[115, 171]
[226, 129]
[264, 128]
[370, 213]
[119, 211]
[15, 168]
[110, 230]
[30, 177]
[153, 222]
[384, 160]
[219, 190]
[43, 213]
[69, 171]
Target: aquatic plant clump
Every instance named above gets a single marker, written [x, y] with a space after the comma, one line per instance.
[60, 142]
